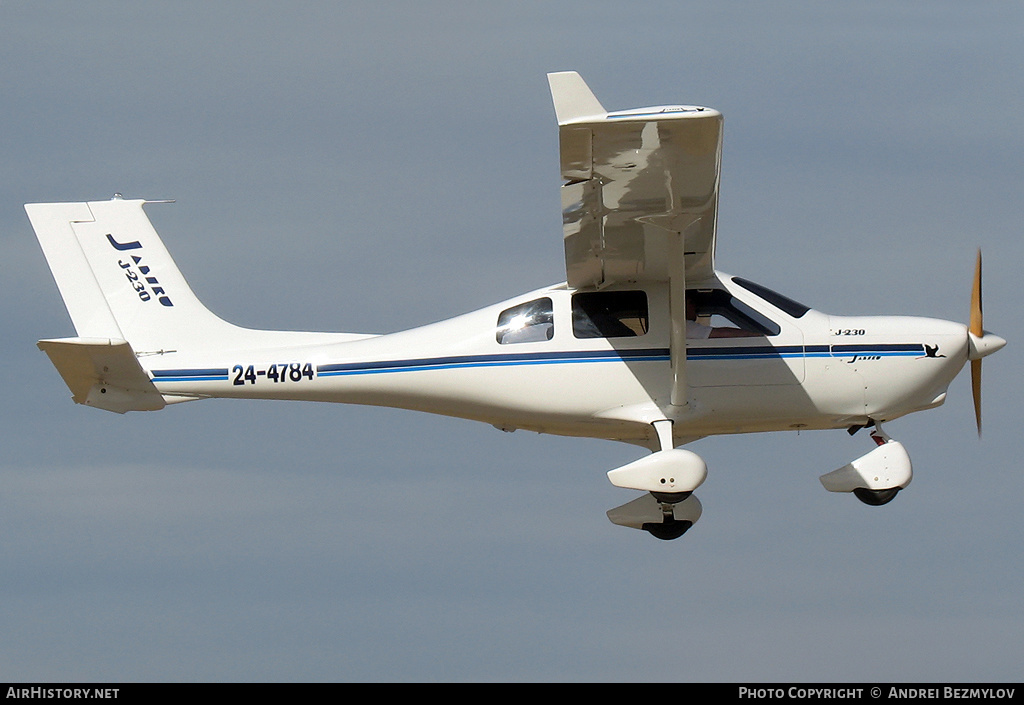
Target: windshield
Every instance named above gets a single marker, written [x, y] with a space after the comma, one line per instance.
[783, 303]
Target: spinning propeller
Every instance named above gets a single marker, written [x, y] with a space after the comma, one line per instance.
[980, 342]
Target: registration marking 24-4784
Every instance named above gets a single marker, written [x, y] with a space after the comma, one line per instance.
[276, 373]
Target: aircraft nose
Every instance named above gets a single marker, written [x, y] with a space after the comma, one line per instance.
[985, 344]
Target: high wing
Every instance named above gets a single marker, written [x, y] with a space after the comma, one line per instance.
[640, 198]
[641, 187]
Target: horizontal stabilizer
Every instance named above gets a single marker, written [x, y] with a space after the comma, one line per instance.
[103, 373]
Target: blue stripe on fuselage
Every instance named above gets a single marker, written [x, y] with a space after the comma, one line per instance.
[746, 352]
[186, 375]
[502, 360]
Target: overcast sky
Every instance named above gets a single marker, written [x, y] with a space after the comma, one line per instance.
[373, 166]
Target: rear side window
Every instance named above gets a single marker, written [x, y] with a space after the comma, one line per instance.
[609, 314]
[531, 322]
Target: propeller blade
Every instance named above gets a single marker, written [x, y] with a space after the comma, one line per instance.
[976, 389]
[977, 328]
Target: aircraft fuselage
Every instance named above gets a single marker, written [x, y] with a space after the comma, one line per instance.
[571, 373]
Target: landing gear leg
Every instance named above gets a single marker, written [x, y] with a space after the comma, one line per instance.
[664, 431]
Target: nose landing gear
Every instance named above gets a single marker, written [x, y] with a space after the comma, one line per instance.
[877, 477]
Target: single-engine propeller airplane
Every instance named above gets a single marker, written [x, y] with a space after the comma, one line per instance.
[645, 342]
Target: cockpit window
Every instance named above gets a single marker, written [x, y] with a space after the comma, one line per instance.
[783, 303]
[609, 314]
[531, 322]
[719, 310]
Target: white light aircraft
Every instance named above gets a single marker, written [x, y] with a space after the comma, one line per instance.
[645, 342]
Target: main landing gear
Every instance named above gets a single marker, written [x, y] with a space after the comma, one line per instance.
[669, 476]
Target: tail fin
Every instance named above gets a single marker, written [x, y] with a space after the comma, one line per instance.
[116, 277]
[129, 303]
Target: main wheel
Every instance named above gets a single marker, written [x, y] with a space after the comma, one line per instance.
[670, 497]
[667, 530]
[876, 498]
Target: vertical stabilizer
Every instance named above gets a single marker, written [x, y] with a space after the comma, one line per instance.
[116, 277]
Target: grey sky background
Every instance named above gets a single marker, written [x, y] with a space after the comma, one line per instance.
[375, 166]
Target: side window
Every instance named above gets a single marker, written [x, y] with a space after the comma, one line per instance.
[609, 314]
[724, 316]
[531, 322]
